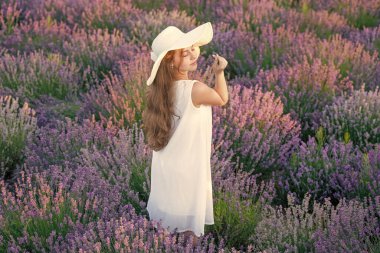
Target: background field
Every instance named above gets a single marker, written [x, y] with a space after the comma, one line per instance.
[295, 152]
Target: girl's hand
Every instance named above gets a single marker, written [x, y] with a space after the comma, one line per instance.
[219, 64]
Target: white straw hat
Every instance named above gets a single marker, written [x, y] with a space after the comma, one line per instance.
[172, 38]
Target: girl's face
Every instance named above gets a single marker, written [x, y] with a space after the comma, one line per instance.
[189, 58]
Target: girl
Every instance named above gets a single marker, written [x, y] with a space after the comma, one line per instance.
[178, 125]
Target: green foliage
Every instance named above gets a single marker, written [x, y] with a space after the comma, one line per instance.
[54, 220]
[16, 124]
[267, 57]
[320, 136]
[376, 44]
[368, 185]
[305, 8]
[39, 74]
[317, 165]
[363, 20]
[148, 5]
[345, 68]
[289, 4]
[346, 137]
[355, 118]
[235, 218]
[138, 184]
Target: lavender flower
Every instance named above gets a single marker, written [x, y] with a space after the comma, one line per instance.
[356, 118]
[323, 170]
[62, 144]
[17, 126]
[36, 74]
[254, 127]
[305, 89]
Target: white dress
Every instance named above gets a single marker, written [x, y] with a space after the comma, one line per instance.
[181, 189]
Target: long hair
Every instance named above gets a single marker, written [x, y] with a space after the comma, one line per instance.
[159, 112]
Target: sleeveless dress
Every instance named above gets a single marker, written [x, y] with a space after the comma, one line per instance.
[181, 189]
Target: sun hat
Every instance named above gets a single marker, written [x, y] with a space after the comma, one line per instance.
[172, 38]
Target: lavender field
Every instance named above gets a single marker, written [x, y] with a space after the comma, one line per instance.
[295, 151]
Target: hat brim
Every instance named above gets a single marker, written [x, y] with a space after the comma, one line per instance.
[199, 36]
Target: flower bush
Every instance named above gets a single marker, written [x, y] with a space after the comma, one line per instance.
[356, 118]
[323, 23]
[148, 25]
[305, 89]
[44, 213]
[37, 74]
[85, 14]
[370, 174]
[254, 127]
[238, 199]
[290, 228]
[353, 226]
[295, 161]
[62, 144]
[118, 98]
[369, 37]
[12, 14]
[124, 162]
[99, 51]
[360, 65]
[248, 52]
[45, 34]
[50, 111]
[323, 170]
[17, 125]
[317, 227]
[358, 13]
